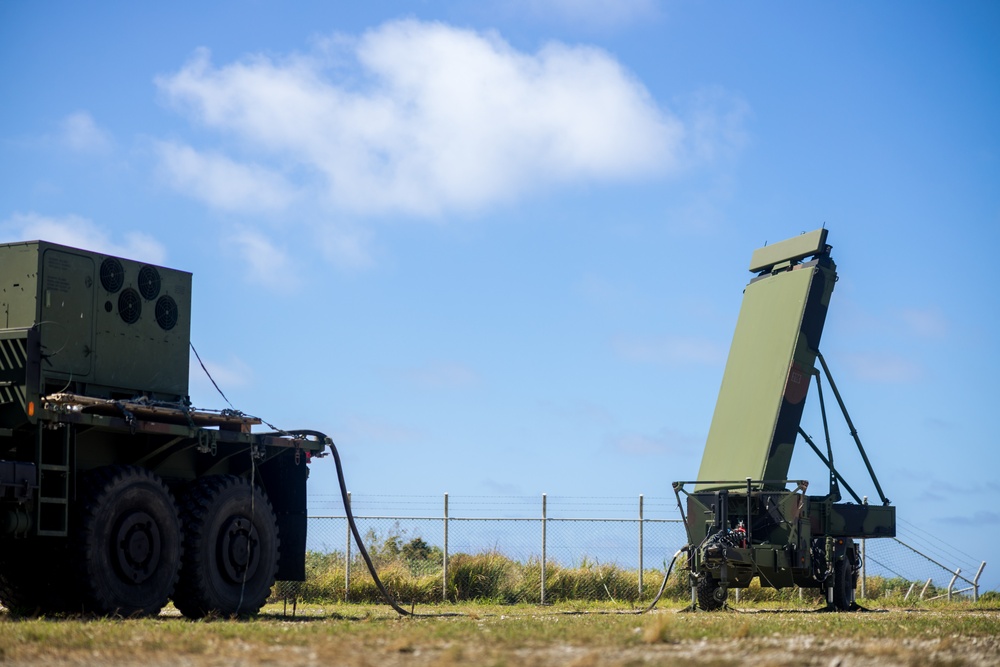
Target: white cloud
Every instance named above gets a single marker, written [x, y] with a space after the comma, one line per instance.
[346, 245]
[81, 133]
[423, 119]
[267, 264]
[78, 232]
[715, 120]
[670, 350]
[221, 182]
[229, 374]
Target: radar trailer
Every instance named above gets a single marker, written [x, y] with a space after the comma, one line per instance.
[744, 517]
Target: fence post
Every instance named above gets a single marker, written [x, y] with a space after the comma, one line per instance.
[951, 584]
[975, 582]
[864, 576]
[347, 557]
[544, 511]
[640, 546]
[444, 558]
[926, 586]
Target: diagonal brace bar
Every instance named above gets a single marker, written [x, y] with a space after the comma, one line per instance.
[828, 464]
[850, 424]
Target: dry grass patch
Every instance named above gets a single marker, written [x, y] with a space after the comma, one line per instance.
[360, 635]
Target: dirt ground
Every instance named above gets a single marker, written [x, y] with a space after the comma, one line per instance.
[774, 652]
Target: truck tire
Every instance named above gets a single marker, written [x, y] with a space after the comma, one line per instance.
[843, 584]
[711, 596]
[127, 542]
[230, 549]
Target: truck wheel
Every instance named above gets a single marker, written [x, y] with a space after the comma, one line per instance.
[711, 596]
[127, 542]
[843, 584]
[230, 549]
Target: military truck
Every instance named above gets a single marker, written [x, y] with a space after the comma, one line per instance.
[115, 494]
[742, 519]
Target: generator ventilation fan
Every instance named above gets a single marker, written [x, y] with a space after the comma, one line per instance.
[149, 282]
[112, 274]
[129, 305]
[166, 312]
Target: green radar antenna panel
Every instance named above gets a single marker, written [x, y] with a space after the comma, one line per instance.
[742, 520]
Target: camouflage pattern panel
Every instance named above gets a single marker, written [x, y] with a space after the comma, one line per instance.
[778, 518]
[849, 520]
[776, 567]
[775, 517]
[770, 363]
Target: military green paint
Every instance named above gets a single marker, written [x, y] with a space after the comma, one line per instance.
[18, 286]
[848, 520]
[67, 310]
[791, 538]
[88, 345]
[767, 374]
[793, 249]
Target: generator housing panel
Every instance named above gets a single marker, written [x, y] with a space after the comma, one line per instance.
[107, 327]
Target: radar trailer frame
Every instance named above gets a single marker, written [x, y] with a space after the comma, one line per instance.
[742, 521]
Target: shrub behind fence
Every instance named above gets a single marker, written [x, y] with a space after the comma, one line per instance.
[553, 556]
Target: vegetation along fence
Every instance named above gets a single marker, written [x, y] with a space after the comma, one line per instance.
[548, 549]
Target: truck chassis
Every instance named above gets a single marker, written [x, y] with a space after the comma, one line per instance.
[115, 495]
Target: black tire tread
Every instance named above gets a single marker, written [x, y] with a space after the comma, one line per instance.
[191, 596]
[706, 588]
[94, 490]
[843, 584]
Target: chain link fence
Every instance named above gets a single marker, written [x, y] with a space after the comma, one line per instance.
[547, 549]
[920, 566]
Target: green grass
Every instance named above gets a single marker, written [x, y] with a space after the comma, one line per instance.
[492, 618]
[360, 634]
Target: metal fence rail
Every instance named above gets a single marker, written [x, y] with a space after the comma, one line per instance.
[554, 534]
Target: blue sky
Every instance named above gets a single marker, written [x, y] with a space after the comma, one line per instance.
[499, 248]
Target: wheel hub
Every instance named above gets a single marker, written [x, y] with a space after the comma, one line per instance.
[137, 547]
[238, 550]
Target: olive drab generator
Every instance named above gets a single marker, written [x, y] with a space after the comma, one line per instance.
[744, 517]
[115, 495]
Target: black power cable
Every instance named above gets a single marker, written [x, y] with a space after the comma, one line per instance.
[663, 585]
[322, 437]
[386, 595]
[357, 535]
